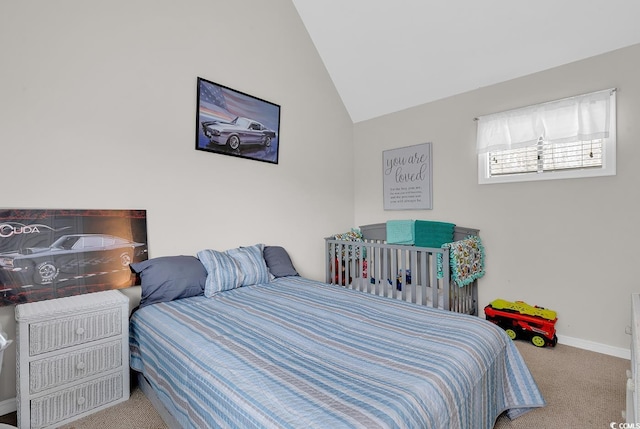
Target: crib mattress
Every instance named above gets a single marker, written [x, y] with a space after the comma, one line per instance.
[299, 353]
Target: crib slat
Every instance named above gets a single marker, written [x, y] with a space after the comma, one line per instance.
[401, 281]
[446, 289]
[413, 287]
[424, 278]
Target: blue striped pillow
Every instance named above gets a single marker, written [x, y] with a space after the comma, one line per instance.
[251, 262]
[223, 272]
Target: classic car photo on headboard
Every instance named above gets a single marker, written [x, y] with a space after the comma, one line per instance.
[47, 253]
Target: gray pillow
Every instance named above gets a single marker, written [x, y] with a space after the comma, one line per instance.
[278, 261]
[170, 277]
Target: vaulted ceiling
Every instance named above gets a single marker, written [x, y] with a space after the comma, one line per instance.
[385, 56]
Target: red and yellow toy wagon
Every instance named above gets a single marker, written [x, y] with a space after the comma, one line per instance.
[521, 320]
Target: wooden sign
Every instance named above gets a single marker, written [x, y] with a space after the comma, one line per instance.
[407, 176]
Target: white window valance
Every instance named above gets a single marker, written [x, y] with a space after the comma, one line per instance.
[579, 118]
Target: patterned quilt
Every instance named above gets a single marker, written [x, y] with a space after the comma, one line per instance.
[467, 260]
[298, 353]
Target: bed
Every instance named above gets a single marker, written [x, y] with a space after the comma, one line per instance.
[294, 352]
[363, 260]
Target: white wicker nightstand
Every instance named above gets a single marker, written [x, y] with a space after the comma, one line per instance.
[72, 357]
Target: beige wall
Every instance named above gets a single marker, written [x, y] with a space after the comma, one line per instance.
[97, 110]
[569, 245]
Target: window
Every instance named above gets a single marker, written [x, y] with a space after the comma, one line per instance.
[568, 138]
[89, 241]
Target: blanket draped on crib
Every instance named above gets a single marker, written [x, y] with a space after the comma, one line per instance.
[433, 234]
[400, 232]
[466, 259]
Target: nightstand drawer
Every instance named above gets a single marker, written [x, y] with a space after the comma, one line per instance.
[65, 368]
[67, 403]
[56, 334]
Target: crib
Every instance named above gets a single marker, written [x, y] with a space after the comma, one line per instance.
[420, 275]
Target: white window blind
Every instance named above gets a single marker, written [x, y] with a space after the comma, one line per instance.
[547, 157]
[572, 137]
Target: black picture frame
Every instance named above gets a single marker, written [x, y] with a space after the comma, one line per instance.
[230, 122]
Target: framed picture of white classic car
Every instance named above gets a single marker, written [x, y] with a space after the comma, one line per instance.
[52, 253]
[230, 122]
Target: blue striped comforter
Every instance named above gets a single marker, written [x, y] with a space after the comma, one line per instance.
[298, 353]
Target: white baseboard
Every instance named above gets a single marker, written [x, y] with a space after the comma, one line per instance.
[8, 406]
[595, 347]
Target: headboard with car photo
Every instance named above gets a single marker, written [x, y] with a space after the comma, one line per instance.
[52, 253]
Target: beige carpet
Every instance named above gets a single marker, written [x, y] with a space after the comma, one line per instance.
[582, 389]
[136, 413]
